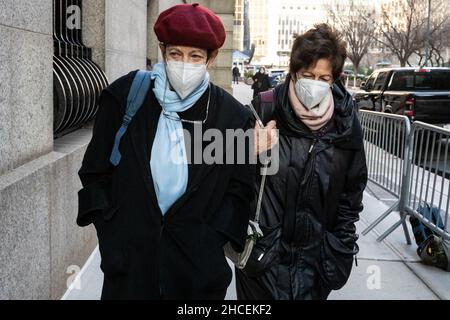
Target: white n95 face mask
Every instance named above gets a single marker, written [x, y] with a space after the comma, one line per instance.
[311, 92]
[185, 77]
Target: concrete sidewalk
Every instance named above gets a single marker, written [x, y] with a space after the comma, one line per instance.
[390, 270]
[387, 270]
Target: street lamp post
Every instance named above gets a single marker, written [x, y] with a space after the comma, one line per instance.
[428, 42]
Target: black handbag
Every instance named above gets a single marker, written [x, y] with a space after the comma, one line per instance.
[265, 252]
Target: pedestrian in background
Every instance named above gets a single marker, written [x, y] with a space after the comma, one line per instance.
[236, 74]
[261, 82]
[162, 223]
[311, 205]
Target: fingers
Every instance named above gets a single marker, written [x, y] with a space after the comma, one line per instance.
[271, 125]
[265, 138]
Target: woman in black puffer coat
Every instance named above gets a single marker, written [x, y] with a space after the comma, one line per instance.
[310, 206]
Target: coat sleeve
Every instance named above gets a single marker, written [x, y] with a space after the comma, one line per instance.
[231, 220]
[96, 170]
[339, 246]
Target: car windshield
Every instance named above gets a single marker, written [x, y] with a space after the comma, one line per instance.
[421, 80]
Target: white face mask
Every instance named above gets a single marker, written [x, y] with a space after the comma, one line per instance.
[311, 92]
[185, 77]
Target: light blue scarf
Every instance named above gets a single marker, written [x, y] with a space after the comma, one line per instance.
[168, 159]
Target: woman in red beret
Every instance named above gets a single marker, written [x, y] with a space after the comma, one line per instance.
[161, 223]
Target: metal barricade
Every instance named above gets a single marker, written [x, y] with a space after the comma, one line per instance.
[387, 145]
[428, 175]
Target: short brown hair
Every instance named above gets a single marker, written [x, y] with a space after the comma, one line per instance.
[321, 42]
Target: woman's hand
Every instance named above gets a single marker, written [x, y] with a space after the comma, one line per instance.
[265, 138]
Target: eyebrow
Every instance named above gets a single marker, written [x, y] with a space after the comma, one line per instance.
[324, 75]
[196, 51]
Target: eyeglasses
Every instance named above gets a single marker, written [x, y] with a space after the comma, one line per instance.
[200, 122]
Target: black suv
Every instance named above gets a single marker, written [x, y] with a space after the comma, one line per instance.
[422, 94]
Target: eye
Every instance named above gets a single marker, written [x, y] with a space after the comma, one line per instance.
[307, 76]
[197, 57]
[325, 79]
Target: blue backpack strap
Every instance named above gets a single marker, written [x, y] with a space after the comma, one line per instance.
[136, 97]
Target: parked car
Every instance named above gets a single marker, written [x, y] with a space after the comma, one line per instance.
[274, 81]
[349, 74]
[422, 94]
[276, 77]
[277, 72]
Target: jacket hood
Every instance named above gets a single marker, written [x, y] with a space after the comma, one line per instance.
[347, 132]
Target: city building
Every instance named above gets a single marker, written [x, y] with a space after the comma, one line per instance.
[238, 28]
[296, 17]
[274, 25]
[259, 29]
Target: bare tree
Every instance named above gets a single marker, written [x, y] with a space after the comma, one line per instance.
[439, 43]
[404, 30]
[355, 21]
[438, 39]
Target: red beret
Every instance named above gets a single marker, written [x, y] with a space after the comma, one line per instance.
[190, 25]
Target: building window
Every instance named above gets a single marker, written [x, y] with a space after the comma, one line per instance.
[72, 111]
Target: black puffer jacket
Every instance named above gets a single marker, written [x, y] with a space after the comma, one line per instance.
[310, 206]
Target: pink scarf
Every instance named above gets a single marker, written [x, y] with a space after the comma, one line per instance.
[312, 120]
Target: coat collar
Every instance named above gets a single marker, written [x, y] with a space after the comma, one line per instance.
[142, 134]
[143, 130]
[347, 133]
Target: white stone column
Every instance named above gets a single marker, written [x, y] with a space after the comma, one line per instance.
[126, 37]
[26, 81]
[94, 29]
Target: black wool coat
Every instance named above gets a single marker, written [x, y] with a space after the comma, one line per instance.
[147, 255]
